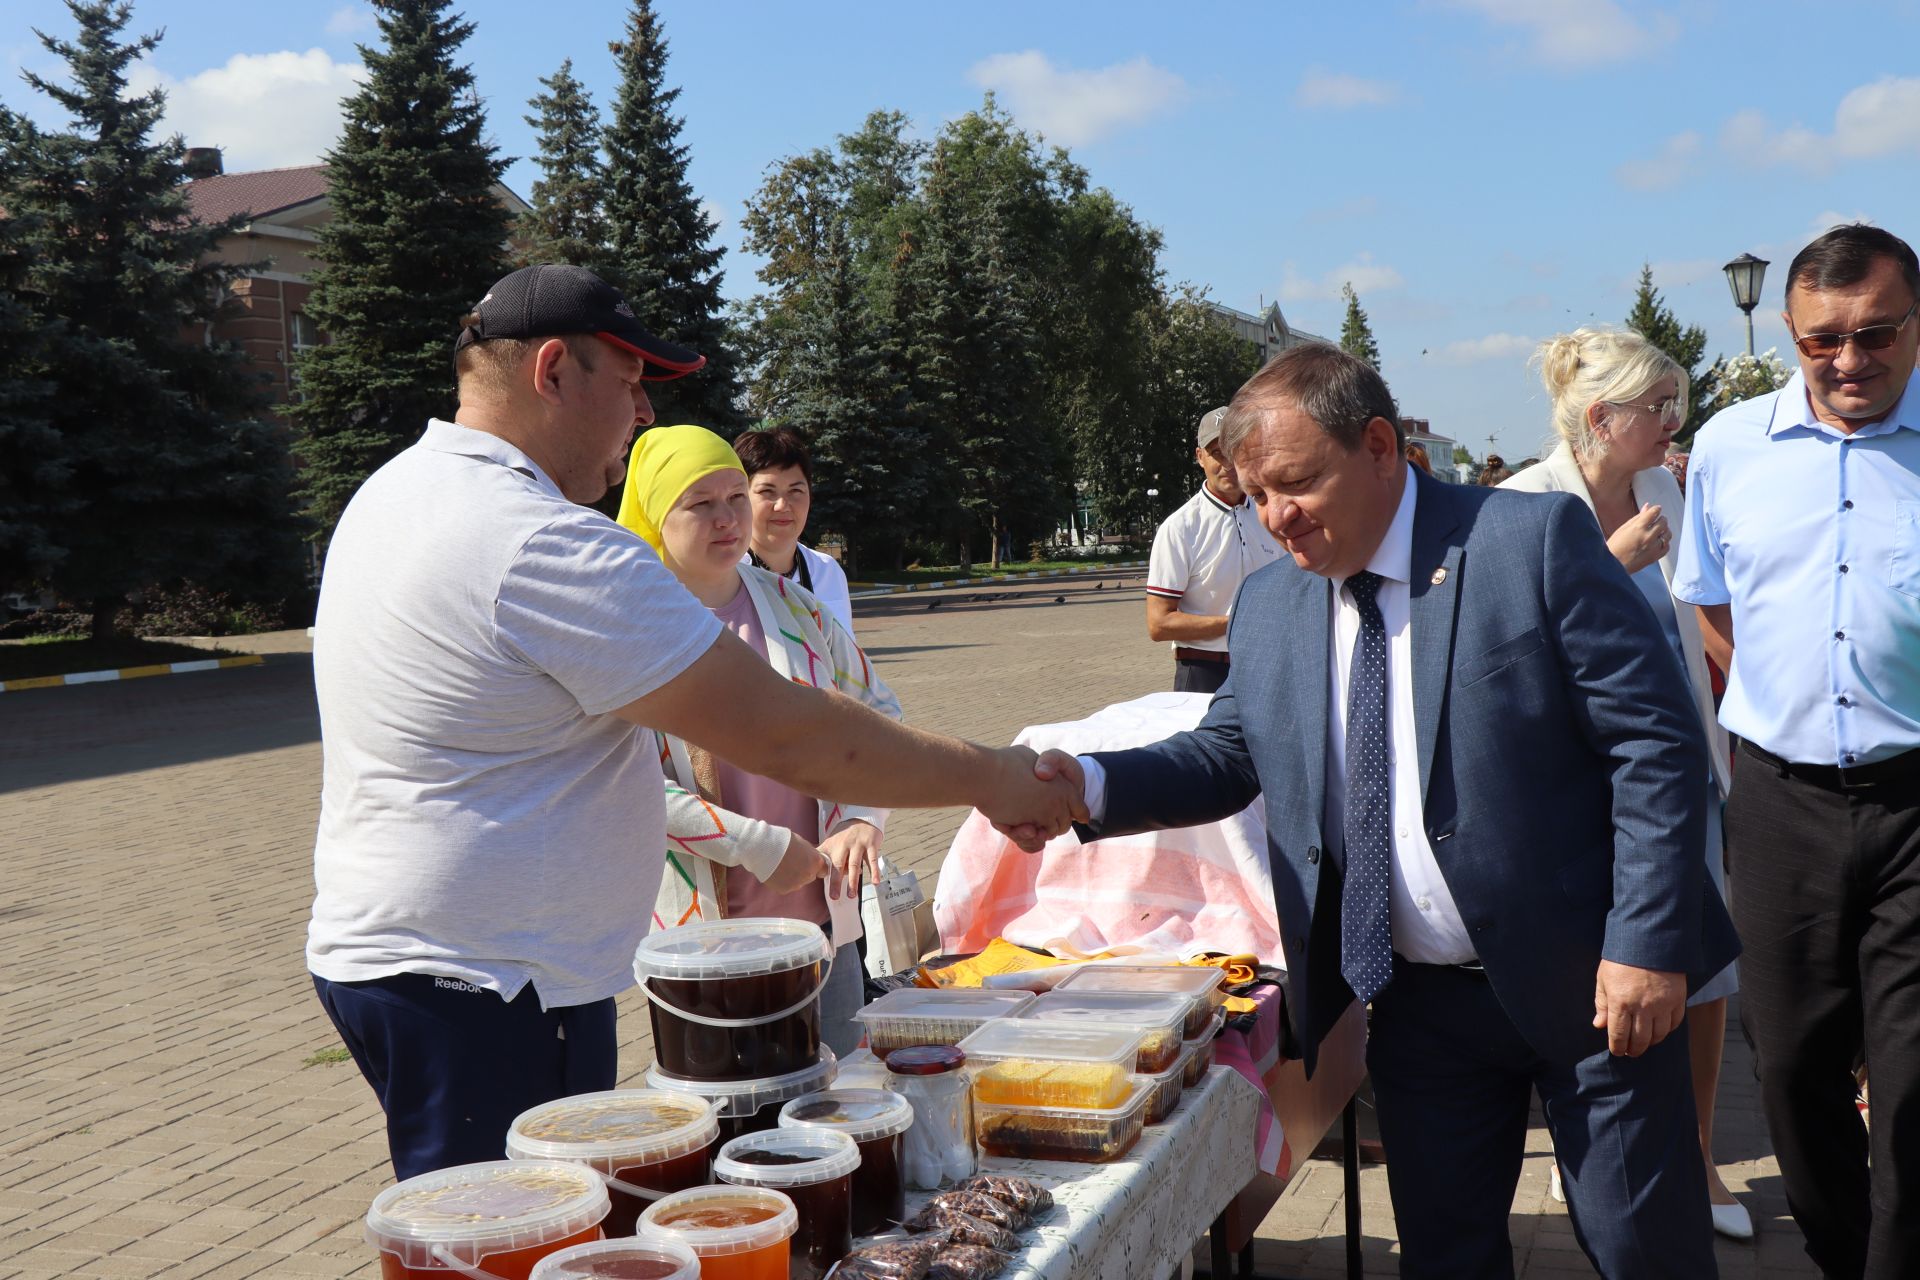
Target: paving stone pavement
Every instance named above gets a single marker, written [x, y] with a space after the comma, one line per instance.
[169, 1106]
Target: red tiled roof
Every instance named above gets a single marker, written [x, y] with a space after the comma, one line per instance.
[259, 193]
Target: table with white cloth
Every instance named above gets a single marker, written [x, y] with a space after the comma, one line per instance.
[1136, 1218]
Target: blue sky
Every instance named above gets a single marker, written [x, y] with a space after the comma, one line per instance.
[1486, 172]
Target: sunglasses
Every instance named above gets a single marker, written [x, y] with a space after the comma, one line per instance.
[1875, 337]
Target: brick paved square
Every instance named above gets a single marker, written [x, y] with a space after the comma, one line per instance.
[157, 1116]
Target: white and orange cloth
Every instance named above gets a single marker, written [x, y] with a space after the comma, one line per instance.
[1179, 893]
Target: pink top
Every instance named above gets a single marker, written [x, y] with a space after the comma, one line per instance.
[767, 800]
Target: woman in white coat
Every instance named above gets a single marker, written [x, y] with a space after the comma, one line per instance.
[1617, 402]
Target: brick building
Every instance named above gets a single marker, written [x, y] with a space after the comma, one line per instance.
[284, 211]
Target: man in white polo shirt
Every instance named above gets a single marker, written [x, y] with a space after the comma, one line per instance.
[1201, 555]
[492, 826]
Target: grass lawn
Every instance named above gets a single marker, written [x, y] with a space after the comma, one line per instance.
[951, 572]
[69, 655]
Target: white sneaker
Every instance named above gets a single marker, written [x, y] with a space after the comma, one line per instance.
[1732, 1221]
[1558, 1192]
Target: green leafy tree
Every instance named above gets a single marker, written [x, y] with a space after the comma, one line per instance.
[1654, 320]
[565, 223]
[663, 257]
[1194, 364]
[418, 235]
[131, 446]
[1356, 335]
[847, 394]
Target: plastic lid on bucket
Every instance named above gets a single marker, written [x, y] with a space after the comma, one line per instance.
[612, 1130]
[926, 1060]
[739, 948]
[735, 1212]
[658, 1259]
[473, 1210]
[739, 1099]
[861, 1114]
[792, 1158]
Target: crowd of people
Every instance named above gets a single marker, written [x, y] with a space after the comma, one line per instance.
[1480, 720]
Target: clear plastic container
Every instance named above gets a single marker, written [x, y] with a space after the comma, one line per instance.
[620, 1260]
[1158, 1018]
[910, 1016]
[815, 1168]
[734, 999]
[1167, 1087]
[939, 1145]
[877, 1121]
[1025, 1062]
[739, 1233]
[501, 1216]
[750, 1106]
[645, 1142]
[1083, 1134]
[1199, 984]
[1200, 1051]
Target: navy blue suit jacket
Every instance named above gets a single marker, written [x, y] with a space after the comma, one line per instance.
[1564, 770]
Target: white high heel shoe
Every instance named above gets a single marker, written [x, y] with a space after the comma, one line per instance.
[1732, 1221]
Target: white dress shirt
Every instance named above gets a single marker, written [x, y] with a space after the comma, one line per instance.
[1427, 927]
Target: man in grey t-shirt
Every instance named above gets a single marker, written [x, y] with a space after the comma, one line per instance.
[492, 829]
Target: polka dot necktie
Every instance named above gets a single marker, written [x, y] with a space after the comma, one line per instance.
[1366, 935]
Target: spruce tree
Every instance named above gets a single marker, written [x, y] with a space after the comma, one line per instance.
[130, 440]
[565, 224]
[1654, 320]
[1356, 335]
[663, 255]
[847, 395]
[417, 237]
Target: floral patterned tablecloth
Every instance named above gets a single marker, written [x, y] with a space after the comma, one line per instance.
[1136, 1218]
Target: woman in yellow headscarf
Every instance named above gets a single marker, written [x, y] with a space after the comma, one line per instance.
[686, 495]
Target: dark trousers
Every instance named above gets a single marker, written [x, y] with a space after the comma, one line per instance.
[1826, 895]
[1190, 676]
[1453, 1082]
[454, 1064]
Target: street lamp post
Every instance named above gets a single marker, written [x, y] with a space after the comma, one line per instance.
[1744, 275]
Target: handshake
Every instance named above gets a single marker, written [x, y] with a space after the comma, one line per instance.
[1034, 798]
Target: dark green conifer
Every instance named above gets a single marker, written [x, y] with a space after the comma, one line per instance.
[664, 257]
[131, 444]
[417, 236]
[566, 224]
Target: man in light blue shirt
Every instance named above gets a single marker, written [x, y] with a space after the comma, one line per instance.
[1801, 547]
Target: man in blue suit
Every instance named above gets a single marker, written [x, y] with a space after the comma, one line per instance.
[1483, 783]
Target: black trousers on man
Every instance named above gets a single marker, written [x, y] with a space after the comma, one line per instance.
[1826, 895]
[1198, 671]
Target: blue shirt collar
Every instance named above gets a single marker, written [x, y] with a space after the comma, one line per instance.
[1792, 409]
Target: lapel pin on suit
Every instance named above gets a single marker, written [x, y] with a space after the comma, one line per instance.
[1439, 575]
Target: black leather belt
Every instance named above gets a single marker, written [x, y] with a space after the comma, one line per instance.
[1199, 655]
[1904, 765]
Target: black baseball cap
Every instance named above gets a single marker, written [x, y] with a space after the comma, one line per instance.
[553, 301]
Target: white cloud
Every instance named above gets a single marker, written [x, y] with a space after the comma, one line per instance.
[1873, 121]
[1494, 346]
[1074, 107]
[1339, 92]
[1667, 167]
[1363, 273]
[350, 20]
[264, 110]
[1575, 33]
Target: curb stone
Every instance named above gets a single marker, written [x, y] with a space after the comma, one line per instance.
[130, 673]
[867, 590]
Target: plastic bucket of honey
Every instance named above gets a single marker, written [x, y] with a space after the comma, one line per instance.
[490, 1221]
[735, 999]
[739, 1233]
[643, 1142]
[621, 1260]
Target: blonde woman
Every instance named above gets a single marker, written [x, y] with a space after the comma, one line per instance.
[686, 495]
[1617, 402]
